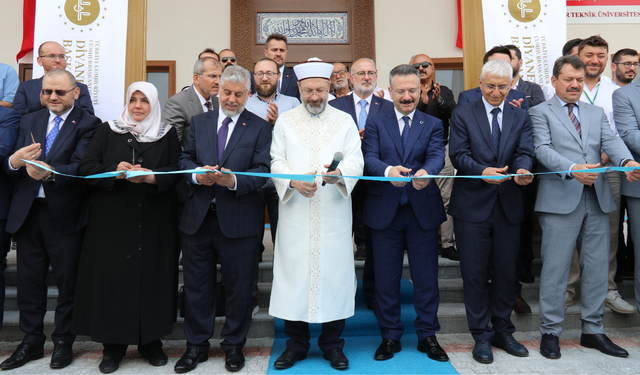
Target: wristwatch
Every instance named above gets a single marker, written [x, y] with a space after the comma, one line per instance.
[439, 101]
[50, 178]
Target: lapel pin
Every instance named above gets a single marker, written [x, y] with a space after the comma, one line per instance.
[377, 103]
[422, 122]
[244, 124]
[73, 122]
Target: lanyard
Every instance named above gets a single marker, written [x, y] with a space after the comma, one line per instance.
[595, 96]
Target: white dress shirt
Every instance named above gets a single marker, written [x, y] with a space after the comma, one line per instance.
[202, 99]
[488, 107]
[356, 102]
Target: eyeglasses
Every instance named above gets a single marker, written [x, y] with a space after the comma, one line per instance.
[629, 64]
[362, 74]
[53, 57]
[60, 93]
[212, 76]
[269, 75]
[318, 92]
[424, 64]
[412, 91]
[500, 88]
[225, 59]
[341, 72]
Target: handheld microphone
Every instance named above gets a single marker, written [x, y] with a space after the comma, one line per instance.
[337, 158]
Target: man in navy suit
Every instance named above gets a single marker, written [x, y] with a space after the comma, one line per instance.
[362, 104]
[49, 213]
[9, 125]
[221, 219]
[515, 97]
[490, 138]
[399, 143]
[276, 49]
[51, 55]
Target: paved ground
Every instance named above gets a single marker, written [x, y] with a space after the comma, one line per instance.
[575, 359]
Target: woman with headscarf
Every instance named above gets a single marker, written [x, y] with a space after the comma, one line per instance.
[127, 277]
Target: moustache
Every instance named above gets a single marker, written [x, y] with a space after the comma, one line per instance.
[573, 89]
[410, 101]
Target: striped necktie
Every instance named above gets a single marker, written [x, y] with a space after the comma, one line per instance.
[574, 119]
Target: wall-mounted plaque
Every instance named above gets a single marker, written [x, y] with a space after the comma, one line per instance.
[304, 27]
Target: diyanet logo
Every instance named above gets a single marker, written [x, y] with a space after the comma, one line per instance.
[524, 10]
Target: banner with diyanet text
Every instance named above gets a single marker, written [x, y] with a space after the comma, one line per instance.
[94, 36]
[537, 27]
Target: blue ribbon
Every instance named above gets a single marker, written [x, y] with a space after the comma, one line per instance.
[311, 177]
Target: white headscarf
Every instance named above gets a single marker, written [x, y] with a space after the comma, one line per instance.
[151, 128]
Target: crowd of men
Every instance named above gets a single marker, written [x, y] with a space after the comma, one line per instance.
[295, 121]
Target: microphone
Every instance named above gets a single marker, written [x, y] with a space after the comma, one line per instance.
[337, 158]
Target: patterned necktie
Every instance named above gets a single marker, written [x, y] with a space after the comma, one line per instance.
[222, 137]
[404, 197]
[208, 105]
[279, 80]
[495, 129]
[574, 119]
[362, 120]
[52, 135]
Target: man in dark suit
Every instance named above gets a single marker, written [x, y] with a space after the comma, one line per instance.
[275, 48]
[199, 98]
[490, 138]
[515, 97]
[51, 55]
[49, 213]
[399, 143]
[361, 105]
[9, 125]
[221, 219]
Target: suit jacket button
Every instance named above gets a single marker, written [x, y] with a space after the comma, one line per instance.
[140, 159]
[129, 140]
[139, 204]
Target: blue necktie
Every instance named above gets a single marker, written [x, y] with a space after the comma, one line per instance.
[404, 197]
[222, 138]
[495, 129]
[362, 120]
[52, 135]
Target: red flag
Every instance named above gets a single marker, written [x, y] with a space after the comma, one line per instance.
[28, 26]
[459, 41]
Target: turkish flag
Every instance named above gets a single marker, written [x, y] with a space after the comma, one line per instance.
[28, 25]
[459, 41]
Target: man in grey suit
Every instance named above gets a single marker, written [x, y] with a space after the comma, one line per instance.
[199, 98]
[573, 208]
[626, 112]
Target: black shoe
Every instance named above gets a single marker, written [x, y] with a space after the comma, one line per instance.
[155, 356]
[450, 253]
[234, 360]
[386, 349]
[62, 355]
[24, 353]
[482, 352]
[190, 360]
[506, 342]
[337, 359]
[601, 342]
[287, 359]
[430, 346]
[550, 346]
[527, 277]
[110, 363]
[361, 253]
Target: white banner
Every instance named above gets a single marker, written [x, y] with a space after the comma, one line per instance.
[537, 27]
[94, 36]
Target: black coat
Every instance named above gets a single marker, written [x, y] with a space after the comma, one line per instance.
[127, 279]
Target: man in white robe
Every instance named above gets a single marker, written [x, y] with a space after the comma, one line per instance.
[313, 273]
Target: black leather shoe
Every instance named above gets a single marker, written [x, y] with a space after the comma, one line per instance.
[110, 363]
[361, 253]
[450, 253]
[190, 360]
[506, 342]
[601, 342]
[527, 277]
[430, 346]
[62, 355]
[550, 346]
[155, 356]
[337, 359]
[234, 360]
[24, 353]
[520, 306]
[386, 349]
[482, 352]
[287, 359]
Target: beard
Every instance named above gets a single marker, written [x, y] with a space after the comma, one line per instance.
[231, 113]
[339, 86]
[364, 91]
[266, 92]
[622, 77]
[315, 108]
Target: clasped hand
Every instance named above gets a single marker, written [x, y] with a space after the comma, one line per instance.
[400, 171]
[125, 167]
[227, 180]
